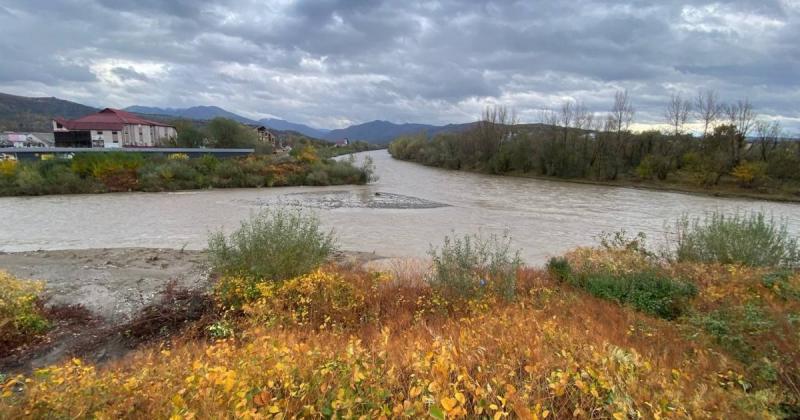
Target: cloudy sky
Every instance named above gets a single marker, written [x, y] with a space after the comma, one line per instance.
[332, 63]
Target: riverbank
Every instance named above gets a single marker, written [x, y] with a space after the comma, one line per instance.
[96, 297]
[710, 340]
[727, 190]
[125, 172]
[720, 191]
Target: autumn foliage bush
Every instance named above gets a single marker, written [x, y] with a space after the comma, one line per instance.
[8, 168]
[339, 342]
[21, 317]
[344, 344]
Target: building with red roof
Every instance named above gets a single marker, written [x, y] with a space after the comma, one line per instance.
[111, 128]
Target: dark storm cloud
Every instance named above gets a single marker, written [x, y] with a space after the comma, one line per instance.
[334, 62]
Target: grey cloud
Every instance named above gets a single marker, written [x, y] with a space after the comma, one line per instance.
[428, 61]
[129, 73]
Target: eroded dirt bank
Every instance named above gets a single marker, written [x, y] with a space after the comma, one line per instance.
[113, 284]
[105, 302]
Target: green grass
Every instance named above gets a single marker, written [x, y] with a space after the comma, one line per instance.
[648, 291]
[732, 328]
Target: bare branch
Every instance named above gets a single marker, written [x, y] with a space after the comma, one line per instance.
[707, 109]
[677, 113]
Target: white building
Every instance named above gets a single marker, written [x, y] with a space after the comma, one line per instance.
[111, 128]
[15, 139]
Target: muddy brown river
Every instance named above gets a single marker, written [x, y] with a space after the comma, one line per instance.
[409, 208]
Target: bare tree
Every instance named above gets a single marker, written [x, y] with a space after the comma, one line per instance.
[621, 115]
[567, 114]
[768, 135]
[494, 127]
[742, 115]
[583, 118]
[707, 109]
[548, 117]
[677, 113]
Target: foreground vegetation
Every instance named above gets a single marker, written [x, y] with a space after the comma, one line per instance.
[736, 153]
[113, 172]
[613, 331]
[21, 315]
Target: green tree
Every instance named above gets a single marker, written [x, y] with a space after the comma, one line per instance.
[225, 133]
[188, 134]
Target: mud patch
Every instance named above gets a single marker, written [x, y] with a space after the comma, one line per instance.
[78, 333]
[114, 284]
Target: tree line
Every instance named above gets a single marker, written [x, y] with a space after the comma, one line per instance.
[734, 145]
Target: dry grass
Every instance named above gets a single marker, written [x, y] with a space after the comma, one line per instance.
[350, 343]
[410, 272]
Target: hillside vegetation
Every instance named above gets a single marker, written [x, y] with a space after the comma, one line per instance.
[477, 335]
[18, 113]
[736, 153]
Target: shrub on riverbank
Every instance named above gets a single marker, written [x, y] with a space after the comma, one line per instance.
[21, 317]
[608, 332]
[111, 172]
[272, 246]
[473, 265]
[748, 239]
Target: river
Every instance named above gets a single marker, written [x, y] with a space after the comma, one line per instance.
[409, 208]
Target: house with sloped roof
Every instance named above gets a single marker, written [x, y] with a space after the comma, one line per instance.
[111, 128]
[264, 135]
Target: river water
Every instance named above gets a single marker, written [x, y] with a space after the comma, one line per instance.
[409, 208]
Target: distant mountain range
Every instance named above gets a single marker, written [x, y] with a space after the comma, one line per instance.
[193, 113]
[35, 114]
[279, 124]
[378, 132]
[383, 132]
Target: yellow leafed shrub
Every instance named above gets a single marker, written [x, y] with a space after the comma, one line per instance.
[20, 316]
[8, 167]
[746, 173]
[178, 156]
[343, 344]
[321, 298]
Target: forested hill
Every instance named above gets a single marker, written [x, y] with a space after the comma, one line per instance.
[383, 132]
[21, 113]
